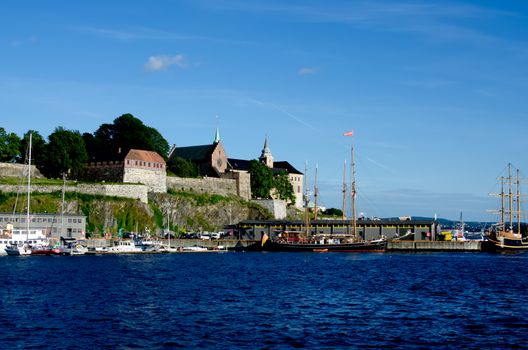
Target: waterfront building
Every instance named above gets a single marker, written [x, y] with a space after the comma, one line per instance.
[52, 225]
[416, 230]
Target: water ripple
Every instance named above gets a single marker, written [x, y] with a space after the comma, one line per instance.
[265, 301]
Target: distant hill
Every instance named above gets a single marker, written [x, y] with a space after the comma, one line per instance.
[447, 223]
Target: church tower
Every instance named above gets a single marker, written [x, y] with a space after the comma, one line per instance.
[266, 158]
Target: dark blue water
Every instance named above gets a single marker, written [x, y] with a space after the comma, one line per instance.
[265, 301]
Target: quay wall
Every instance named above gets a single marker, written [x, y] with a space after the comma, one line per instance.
[434, 246]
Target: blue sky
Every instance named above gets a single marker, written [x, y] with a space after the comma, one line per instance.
[434, 90]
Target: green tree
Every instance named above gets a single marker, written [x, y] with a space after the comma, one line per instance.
[38, 148]
[283, 187]
[183, 167]
[9, 146]
[127, 132]
[65, 151]
[333, 212]
[261, 179]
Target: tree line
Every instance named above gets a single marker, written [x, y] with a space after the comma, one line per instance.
[67, 151]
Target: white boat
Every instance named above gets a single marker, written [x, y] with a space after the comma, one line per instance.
[124, 247]
[147, 244]
[70, 246]
[9, 238]
[194, 249]
[18, 249]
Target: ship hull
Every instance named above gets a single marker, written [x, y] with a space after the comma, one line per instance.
[502, 243]
[366, 246]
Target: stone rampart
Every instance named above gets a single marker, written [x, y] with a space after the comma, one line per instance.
[139, 192]
[211, 185]
[243, 183]
[18, 170]
[155, 180]
[276, 206]
[126, 191]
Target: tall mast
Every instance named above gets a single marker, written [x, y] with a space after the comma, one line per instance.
[353, 193]
[28, 187]
[518, 203]
[502, 204]
[306, 200]
[62, 203]
[315, 192]
[344, 191]
[510, 196]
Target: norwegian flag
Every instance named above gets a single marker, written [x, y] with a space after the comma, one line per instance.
[349, 133]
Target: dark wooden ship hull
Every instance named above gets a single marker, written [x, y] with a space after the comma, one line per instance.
[362, 246]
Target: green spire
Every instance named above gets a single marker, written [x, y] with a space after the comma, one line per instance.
[217, 136]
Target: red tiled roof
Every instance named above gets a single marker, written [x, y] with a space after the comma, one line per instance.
[146, 156]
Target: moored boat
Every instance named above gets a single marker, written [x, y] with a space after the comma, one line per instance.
[306, 241]
[18, 249]
[45, 250]
[14, 238]
[507, 235]
[20, 242]
[70, 246]
[297, 242]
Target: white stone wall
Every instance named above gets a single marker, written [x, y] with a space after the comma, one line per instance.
[155, 180]
[139, 192]
[18, 170]
[276, 206]
[209, 185]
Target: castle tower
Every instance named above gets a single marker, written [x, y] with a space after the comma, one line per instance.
[266, 157]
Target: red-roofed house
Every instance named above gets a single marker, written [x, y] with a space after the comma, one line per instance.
[138, 166]
[146, 167]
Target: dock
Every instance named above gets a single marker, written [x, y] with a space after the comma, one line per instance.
[435, 246]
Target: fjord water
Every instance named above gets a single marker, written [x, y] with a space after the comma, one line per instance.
[265, 301]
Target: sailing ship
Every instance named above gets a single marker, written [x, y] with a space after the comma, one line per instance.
[507, 235]
[21, 241]
[306, 241]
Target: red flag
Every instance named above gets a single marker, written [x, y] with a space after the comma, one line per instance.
[349, 133]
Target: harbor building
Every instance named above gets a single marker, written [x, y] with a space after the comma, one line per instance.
[52, 225]
[417, 230]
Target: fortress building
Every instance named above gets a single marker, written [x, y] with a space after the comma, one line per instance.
[266, 158]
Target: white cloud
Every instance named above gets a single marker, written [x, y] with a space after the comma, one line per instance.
[163, 62]
[307, 71]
